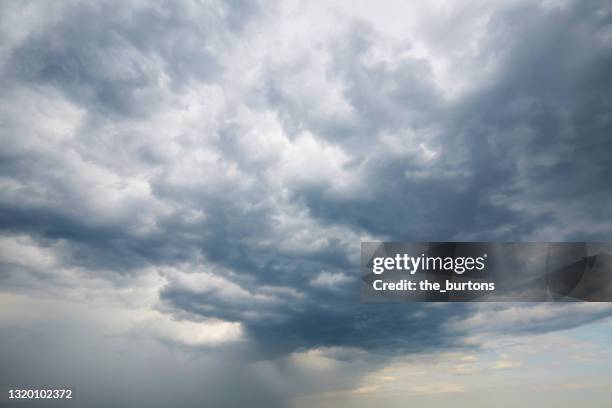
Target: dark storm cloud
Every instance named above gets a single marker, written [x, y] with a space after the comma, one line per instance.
[525, 154]
[385, 97]
[528, 149]
[107, 56]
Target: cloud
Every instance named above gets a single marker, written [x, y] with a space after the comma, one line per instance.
[532, 317]
[211, 167]
[329, 280]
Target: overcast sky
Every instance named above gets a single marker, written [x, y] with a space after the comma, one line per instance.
[184, 186]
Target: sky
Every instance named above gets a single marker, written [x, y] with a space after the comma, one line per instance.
[184, 187]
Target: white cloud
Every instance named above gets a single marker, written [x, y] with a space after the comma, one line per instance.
[330, 280]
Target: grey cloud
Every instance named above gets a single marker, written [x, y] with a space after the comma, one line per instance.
[163, 152]
[404, 196]
[524, 151]
[113, 57]
[531, 318]
[103, 370]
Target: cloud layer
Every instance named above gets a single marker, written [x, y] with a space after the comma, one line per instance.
[210, 168]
